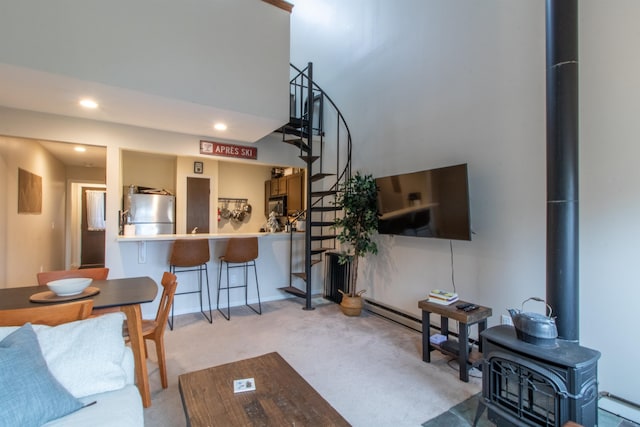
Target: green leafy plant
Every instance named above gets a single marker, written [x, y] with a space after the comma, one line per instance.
[358, 198]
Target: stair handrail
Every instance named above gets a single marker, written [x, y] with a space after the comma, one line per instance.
[314, 92]
[346, 171]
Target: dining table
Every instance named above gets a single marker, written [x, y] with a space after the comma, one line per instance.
[126, 294]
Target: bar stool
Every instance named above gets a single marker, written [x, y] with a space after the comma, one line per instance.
[191, 255]
[239, 253]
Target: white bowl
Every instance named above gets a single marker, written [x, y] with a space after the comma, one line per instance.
[67, 287]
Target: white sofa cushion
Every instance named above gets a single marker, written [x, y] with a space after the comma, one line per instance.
[85, 356]
[121, 408]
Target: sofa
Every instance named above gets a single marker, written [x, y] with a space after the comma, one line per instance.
[75, 374]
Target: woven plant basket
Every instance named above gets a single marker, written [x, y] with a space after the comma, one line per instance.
[351, 306]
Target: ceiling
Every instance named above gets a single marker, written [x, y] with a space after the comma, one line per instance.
[93, 157]
[33, 90]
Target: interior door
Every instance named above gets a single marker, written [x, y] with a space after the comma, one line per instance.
[92, 240]
[198, 194]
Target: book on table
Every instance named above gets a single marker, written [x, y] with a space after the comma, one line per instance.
[443, 297]
[442, 301]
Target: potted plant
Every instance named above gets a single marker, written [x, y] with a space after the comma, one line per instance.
[358, 198]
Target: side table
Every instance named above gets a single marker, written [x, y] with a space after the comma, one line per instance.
[465, 319]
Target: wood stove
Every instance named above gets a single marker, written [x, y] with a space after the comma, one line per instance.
[532, 385]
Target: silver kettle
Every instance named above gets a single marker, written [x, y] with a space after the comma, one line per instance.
[535, 328]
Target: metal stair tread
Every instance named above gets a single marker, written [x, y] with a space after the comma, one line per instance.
[294, 291]
[298, 142]
[295, 121]
[302, 274]
[323, 193]
[317, 251]
[319, 176]
[323, 237]
[322, 223]
[309, 159]
[325, 208]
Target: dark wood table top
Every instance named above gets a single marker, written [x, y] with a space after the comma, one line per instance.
[281, 398]
[113, 293]
[452, 312]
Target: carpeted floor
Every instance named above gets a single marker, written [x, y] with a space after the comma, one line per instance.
[368, 368]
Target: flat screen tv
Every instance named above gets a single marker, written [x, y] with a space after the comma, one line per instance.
[430, 203]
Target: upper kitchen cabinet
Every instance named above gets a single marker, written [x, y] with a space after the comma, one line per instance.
[295, 192]
[292, 186]
[278, 187]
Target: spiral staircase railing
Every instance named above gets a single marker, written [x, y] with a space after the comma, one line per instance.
[318, 128]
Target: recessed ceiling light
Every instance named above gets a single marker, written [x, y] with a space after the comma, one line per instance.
[80, 149]
[89, 103]
[220, 126]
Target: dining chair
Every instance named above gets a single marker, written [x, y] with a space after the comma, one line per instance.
[49, 314]
[153, 330]
[96, 273]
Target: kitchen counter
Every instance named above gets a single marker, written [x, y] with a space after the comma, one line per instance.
[210, 236]
[149, 256]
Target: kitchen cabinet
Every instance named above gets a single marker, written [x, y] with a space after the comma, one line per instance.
[278, 186]
[267, 194]
[291, 186]
[295, 192]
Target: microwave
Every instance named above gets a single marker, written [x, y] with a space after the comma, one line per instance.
[278, 205]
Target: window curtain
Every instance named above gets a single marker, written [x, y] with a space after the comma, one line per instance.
[95, 210]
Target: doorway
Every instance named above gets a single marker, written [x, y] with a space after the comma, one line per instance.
[92, 230]
[198, 194]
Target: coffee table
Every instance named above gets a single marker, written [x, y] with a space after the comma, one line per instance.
[282, 397]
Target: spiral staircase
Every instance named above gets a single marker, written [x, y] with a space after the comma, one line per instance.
[319, 130]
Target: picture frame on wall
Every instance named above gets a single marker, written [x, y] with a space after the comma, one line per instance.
[198, 167]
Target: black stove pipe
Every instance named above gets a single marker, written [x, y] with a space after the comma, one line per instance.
[562, 165]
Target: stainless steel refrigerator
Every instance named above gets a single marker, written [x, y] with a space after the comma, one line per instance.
[150, 213]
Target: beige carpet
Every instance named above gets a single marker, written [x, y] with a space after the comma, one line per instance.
[368, 368]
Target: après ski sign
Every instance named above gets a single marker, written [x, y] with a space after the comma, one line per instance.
[228, 150]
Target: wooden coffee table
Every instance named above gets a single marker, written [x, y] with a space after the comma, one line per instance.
[282, 397]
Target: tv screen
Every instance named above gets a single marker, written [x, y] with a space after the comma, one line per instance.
[430, 203]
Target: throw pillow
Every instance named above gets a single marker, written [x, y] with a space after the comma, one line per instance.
[86, 356]
[29, 394]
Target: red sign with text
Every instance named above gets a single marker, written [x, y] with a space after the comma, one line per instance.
[228, 150]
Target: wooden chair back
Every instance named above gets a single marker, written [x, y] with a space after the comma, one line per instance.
[169, 285]
[50, 314]
[98, 273]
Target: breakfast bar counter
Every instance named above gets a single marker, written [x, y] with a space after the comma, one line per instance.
[209, 236]
[149, 255]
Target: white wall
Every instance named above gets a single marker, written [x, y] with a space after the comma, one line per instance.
[610, 208]
[238, 180]
[427, 83]
[26, 231]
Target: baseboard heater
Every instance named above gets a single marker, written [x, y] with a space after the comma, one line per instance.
[393, 314]
[402, 317]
